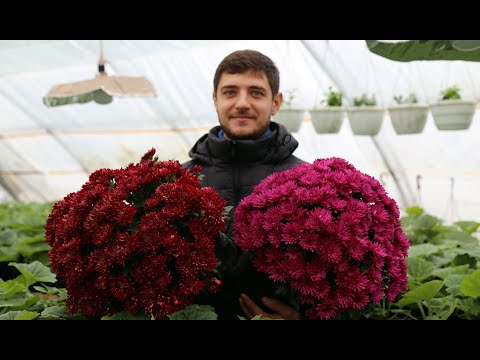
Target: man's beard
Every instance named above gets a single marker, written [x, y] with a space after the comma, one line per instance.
[251, 136]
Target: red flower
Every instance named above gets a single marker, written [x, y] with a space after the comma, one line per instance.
[139, 239]
[327, 232]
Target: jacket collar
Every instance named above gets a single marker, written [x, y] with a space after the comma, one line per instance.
[212, 150]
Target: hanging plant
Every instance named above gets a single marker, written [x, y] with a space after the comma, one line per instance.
[408, 117]
[290, 115]
[451, 112]
[329, 118]
[365, 117]
[451, 93]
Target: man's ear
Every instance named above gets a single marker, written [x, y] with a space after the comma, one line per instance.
[214, 97]
[277, 102]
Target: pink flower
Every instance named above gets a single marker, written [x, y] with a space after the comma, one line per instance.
[327, 232]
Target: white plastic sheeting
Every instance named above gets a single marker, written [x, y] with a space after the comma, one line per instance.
[45, 153]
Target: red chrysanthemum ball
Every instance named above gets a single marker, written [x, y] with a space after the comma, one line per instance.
[138, 239]
[328, 232]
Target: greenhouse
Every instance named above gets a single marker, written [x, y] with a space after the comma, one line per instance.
[403, 112]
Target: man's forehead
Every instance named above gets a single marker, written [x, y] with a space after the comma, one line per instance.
[249, 78]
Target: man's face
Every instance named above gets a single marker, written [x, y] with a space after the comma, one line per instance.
[244, 104]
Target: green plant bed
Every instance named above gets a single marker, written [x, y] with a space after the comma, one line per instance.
[22, 235]
[443, 278]
[443, 271]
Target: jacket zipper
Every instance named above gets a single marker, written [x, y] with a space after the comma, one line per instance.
[235, 171]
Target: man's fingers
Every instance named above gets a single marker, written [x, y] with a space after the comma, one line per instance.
[283, 310]
[280, 310]
[245, 309]
[249, 307]
[275, 305]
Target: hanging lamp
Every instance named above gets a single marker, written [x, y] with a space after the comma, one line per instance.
[101, 89]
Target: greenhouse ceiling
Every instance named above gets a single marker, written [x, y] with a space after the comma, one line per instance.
[47, 152]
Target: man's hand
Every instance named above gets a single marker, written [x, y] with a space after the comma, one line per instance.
[280, 310]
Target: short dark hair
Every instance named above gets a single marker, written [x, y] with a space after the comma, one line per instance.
[244, 60]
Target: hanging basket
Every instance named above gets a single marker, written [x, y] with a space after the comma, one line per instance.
[453, 114]
[365, 120]
[408, 118]
[327, 120]
[290, 118]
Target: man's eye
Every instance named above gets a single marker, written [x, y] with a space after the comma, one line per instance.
[229, 92]
[256, 93]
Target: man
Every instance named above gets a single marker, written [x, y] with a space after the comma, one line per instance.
[235, 157]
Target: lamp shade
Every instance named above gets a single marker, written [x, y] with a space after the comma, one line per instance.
[101, 89]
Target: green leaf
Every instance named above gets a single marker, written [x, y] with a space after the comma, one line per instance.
[451, 93]
[405, 312]
[10, 288]
[40, 289]
[425, 291]
[8, 237]
[443, 307]
[16, 301]
[19, 301]
[461, 238]
[24, 216]
[35, 272]
[259, 317]
[471, 284]
[468, 226]
[411, 50]
[376, 312]
[422, 228]
[56, 312]
[364, 100]
[125, 315]
[195, 312]
[404, 301]
[33, 245]
[49, 290]
[452, 283]
[427, 222]
[422, 250]
[455, 270]
[59, 312]
[19, 315]
[469, 305]
[419, 269]
[445, 256]
[415, 211]
[464, 259]
[473, 251]
[8, 253]
[226, 210]
[439, 261]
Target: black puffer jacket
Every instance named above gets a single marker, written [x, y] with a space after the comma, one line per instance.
[234, 168]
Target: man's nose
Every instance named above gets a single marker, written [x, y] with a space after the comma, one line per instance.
[242, 102]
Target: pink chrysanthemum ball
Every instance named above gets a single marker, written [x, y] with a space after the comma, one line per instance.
[327, 231]
[138, 239]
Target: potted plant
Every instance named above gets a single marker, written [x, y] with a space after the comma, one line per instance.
[290, 115]
[408, 117]
[451, 112]
[328, 119]
[365, 118]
